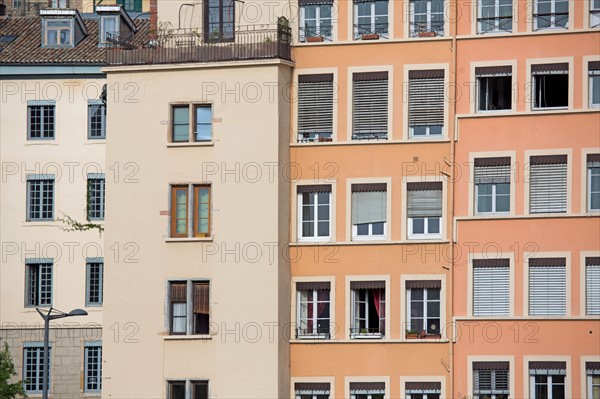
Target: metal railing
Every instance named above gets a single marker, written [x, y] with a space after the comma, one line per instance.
[371, 31]
[495, 24]
[321, 137]
[314, 34]
[418, 29]
[369, 136]
[551, 20]
[366, 332]
[194, 45]
[313, 333]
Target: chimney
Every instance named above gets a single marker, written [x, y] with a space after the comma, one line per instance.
[153, 16]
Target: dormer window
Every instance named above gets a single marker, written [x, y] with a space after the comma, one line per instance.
[60, 4]
[109, 25]
[58, 32]
[62, 28]
[114, 22]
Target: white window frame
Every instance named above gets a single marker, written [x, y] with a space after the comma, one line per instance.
[494, 195]
[189, 386]
[319, 20]
[425, 395]
[549, 384]
[594, 14]
[314, 300]
[315, 220]
[103, 31]
[425, 302]
[591, 85]
[414, 32]
[589, 189]
[369, 395]
[590, 385]
[497, 18]
[353, 315]
[487, 90]
[426, 234]
[370, 236]
[47, 30]
[536, 89]
[553, 16]
[373, 17]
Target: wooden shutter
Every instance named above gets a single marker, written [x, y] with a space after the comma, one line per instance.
[547, 287]
[492, 170]
[426, 98]
[201, 298]
[491, 287]
[315, 103]
[369, 203]
[548, 184]
[178, 292]
[592, 285]
[370, 105]
[424, 200]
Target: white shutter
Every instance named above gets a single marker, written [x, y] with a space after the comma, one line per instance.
[492, 170]
[370, 106]
[315, 104]
[491, 289]
[548, 184]
[592, 286]
[547, 288]
[426, 98]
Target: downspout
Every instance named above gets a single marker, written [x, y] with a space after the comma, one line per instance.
[452, 195]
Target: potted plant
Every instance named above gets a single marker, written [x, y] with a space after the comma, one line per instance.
[325, 139]
[314, 39]
[412, 334]
[370, 36]
[427, 34]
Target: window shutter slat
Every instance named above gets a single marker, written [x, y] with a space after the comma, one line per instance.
[178, 292]
[426, 101]
[369, 207]
[547, 290]
[491, 291]
[201, 298]
[548, 188]
[424, 203]
[370, 107]
[592, 289]
[492, 174]
[315, 105]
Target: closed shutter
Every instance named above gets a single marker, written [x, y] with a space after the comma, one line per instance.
[369, 203]
[592, 286]
[547, 287]
[315, 104]
[424, 200]
[201, 298]
[426, 98]
[370, 105]
[548, 184]
[492, 170]
[491, 287]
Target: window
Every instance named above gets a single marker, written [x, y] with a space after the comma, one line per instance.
[547, 380]
[368, 309]
[547, 287]
[426, 103]
[367, 390]
[201, 128]
[423, 307]
[219, 20]
[315, 20]
[40, 120]
[314, 212]
[109, 27]
[594, 16]
[423, 390]
[592, 286]
[492, 185]
[424, 210]
[189, 318]
[33, 367]
[312, 390]
[95, 197]
[550, 86]
[548, 184]
[426, 18]
[491, 287]
[370, 19]
[93, 367]
[131, 5]
[60, 3]
[40, 198]
[315, 108]
[96, 119]
[593, 167]
[190, 214]
[370, 106]
[39, 282]
[495, 16]
[494, 89]
[313, 301]
[95, 281]
[549, 14]
[594, 84]
[369, 211]
[491, 380]
[593, 379]
[178, 389]
[58, 33]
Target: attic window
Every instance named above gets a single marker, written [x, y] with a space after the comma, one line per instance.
[109, 26]
[58, 33]
[7, 38]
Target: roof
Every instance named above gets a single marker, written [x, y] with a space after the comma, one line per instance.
[27, 47]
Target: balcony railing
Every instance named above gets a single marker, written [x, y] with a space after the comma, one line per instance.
[369, 136]
[495, 24]
[424, 29]
[371, 31]
[313, 333]
[366, 333]
[193, 45]
[320, 137]
[551, 20]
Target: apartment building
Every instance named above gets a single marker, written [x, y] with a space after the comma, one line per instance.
[53, 121]
[526, 282]
[31, 8]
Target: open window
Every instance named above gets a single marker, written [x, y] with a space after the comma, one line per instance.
[313, 313]
[494, 88]
[368, 309]
[550, 86]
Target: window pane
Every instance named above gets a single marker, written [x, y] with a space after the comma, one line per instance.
[595, 89]
[181, 212]
[323, 229]
[433, 226]
[177, 390]
[378, 228]
[362, 229]
[418, 226]
[503, 203]
[203, 123]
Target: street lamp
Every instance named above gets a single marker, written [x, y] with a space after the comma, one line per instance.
[47, 318]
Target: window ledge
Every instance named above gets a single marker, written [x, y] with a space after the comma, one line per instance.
[36, 223]
[189, 239]
[41, 142]
[369, 242]
[95, 141]
[203, 337]
[411, 140]
[369, 239]
[193, 144]
[323, 240]
[534, 109]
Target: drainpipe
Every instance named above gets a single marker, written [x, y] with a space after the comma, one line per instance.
[452, 195]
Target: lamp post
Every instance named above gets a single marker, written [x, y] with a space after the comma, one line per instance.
[47, 318]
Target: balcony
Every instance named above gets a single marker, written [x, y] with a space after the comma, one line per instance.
[172, 46]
